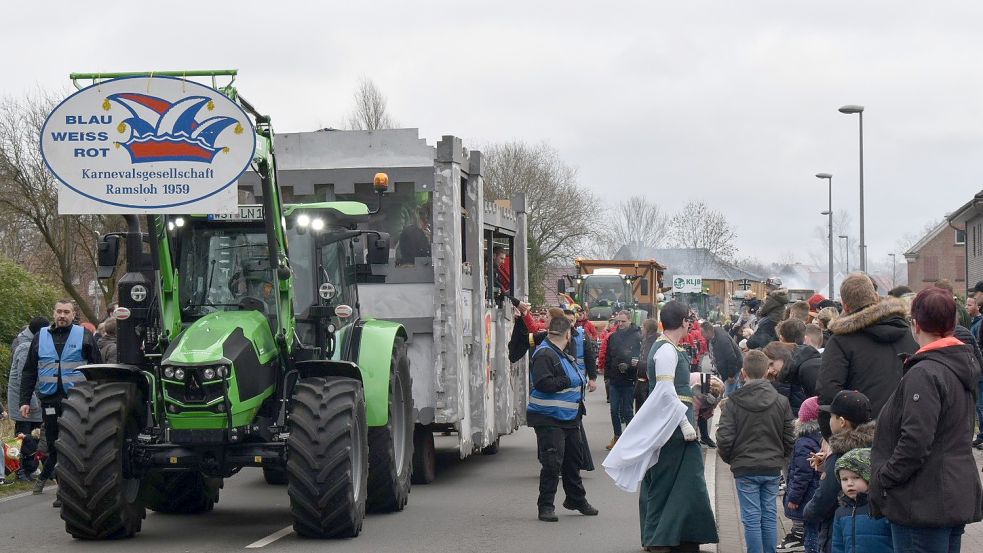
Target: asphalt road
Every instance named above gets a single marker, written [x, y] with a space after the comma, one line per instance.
[476, 504]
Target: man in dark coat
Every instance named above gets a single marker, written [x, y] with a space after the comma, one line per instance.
[724, 352]
[770, 314]
[863, 354]
[803, 370]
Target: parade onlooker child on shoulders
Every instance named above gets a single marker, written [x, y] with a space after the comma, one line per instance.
[756, 434]
[803, 480]
[850, 421]
[854, 530]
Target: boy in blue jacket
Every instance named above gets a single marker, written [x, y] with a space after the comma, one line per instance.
[854, 531]
[853, 428]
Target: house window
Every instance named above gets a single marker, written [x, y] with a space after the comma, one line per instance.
[931, 268]
[960, 237]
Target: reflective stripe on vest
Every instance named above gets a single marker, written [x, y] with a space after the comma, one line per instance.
[564, 404]
[50, 364]
[578, 339]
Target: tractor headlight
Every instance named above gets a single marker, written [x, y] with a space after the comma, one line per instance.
[223, 371]
[209, 373]
[168, 373]
[179, 374]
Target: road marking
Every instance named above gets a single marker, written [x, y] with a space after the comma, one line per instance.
[710, 472]
[24, 494]
[271, 538]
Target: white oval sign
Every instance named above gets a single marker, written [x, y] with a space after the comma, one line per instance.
[121, 313]
[343, 311]
[147, 145]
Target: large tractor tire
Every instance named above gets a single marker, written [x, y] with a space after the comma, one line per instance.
[275, 476]
[327, 457]
[424, 455]
[180, 492]
[391, 446]
[99, 500]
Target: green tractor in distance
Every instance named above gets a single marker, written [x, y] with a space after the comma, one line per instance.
[237, 352]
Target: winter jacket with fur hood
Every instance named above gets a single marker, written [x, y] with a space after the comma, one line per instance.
[923, 470]
[863, 354]
[822, 506]
[757, 430]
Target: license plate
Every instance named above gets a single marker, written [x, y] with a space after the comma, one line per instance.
[246, 213]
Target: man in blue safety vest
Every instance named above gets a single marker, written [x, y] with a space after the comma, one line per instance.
[556, 406]
[51, 370]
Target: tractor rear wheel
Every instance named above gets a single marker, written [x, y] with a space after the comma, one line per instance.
[99, 499]
[391, 446]
[327, 457]
[180, 492]
[424, 455]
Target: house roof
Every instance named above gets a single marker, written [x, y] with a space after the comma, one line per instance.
[913, 251]
[968, 210]
[689, 261]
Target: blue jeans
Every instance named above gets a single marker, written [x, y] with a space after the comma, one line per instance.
[759, 512]
[926, 540]
[979, 409]
[732, 385]
[622, 396]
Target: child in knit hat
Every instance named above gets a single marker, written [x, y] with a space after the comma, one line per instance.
[854, 530]
[803, 480]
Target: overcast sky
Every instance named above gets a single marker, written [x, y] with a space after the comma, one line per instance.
[731, 102]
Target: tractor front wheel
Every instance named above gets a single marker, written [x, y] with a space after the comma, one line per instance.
[99, 499]
[391, 446]
[327, 457]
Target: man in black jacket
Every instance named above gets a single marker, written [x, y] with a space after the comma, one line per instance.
[725, 354]
[72, 345]
[555, 411]
[863, 354]
[620, 370]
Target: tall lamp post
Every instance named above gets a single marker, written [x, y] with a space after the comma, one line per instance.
[829, 212]
[859, 110]
[894, 270]
[846, 248]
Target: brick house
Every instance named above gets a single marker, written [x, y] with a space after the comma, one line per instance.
[969, 218]
[939, 254]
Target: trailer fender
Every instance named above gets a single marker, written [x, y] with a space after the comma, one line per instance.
[374, 360]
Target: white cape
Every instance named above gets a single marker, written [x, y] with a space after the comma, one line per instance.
[638, 448]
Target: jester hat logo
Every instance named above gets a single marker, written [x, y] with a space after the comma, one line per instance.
[166, 131]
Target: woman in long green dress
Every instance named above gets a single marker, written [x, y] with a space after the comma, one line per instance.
[674, 509]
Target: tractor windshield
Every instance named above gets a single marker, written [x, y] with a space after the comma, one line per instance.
[224, 268]
[603, 295]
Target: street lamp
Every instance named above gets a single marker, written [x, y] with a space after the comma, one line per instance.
[894, 270]
[846, 248]
[859, 110]
[829, 212]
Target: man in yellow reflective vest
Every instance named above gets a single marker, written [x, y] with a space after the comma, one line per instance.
[51, 370]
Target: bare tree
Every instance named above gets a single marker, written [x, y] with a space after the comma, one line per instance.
[698, 226]
[64, 246]
[561, 211]
[842, 251]
[370, 112]
[636, 225]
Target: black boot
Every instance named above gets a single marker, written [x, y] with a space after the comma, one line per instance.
[548, 514]
[584, 508]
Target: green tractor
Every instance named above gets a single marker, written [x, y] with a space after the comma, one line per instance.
[235, 351]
